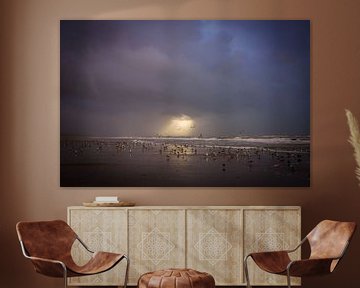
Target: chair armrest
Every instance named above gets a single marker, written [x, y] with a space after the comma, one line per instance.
[271, 261]
[45, 260]
[268, 253]
[298, 246]
[309, 267]
[83, 244]
[48, 267]
[280, 251]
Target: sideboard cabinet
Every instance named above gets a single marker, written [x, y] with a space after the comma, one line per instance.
[212, 239]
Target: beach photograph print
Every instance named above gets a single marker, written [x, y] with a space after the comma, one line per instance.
[185, 103]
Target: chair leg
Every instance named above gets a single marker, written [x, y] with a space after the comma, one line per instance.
[246, 270]
[127, 271]
[65, 275]
[288, 278]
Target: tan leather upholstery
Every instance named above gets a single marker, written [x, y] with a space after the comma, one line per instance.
[52, 240]
[176, 278]
[328, 239]
[272, 262]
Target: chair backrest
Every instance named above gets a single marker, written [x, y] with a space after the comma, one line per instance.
[329, 239]
[46, 239]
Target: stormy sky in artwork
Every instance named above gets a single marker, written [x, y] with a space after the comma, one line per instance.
[185, 78]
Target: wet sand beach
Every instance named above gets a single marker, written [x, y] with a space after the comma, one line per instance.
[185, 162]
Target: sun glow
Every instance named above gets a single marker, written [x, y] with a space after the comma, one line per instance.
[179, 126]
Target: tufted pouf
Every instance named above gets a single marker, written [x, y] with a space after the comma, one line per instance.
[176, 278]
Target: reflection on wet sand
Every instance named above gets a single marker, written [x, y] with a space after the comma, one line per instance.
[184, 162]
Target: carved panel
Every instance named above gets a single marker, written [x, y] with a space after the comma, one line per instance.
[270, 230]
[214, 241]
[101, 230]
[156, 241]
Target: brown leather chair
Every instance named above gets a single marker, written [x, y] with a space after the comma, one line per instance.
[48, 245]
[328, 242]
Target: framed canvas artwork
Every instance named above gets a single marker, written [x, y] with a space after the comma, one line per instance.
[185, 103]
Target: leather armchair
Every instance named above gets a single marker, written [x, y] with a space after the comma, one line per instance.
[328, 242]
[48, 245]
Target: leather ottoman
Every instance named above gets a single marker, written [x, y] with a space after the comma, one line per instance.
[176, 278]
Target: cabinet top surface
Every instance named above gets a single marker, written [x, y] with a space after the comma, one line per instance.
[192, 207]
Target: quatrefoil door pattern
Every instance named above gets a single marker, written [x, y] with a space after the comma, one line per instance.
[270, 230]
[157, 240]
[101, 230]
[214, 241]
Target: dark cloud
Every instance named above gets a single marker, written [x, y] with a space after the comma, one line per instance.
[127, 78]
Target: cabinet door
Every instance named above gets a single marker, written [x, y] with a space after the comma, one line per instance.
[156, 240]
[100, 230]
[270, 230]
[214, 244]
